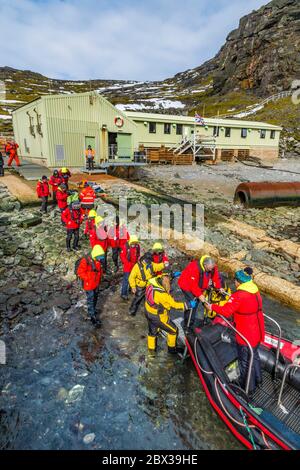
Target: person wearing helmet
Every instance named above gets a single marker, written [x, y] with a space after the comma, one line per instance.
[98, 236]
[158, 303]
[65, 174]
[62, 197]
[54, 181]
[90, 222]
[87, 197]
[89, 157]
[118, 236]
[129, 256]
[11, 150]
[72, 218]
[159, 255]
[245, 307]
[198, 276]
[141, 273]
[43, 192]
[90, 272]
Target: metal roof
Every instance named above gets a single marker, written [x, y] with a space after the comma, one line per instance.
[140, 116]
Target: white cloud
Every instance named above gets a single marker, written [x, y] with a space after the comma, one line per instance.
[115, 40]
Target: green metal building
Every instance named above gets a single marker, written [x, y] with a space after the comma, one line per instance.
[55, 130]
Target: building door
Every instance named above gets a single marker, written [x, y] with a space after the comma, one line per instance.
[112, 145]
[124, 142]
[89, 140]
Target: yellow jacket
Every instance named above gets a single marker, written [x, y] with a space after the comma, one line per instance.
[158, 301]
[142, 272]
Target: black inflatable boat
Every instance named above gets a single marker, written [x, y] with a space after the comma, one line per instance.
[270, 419]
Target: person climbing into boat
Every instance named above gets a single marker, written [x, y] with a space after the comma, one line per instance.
[159, 255]
[245, 307]
[195, 279]
[141, 273]
[158, 303]
[129, 256]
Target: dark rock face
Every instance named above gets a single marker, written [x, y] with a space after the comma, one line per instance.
[262, 55]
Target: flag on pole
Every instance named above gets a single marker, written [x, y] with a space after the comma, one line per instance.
[199, 119]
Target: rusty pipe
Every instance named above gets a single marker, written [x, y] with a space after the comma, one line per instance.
[268, 194]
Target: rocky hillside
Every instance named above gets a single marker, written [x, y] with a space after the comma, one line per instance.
[261, 57]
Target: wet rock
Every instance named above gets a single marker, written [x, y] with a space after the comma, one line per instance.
[89, 438]
[62, 394]
[31, 222]
[23, 285]
[61, 301]
[75, 394]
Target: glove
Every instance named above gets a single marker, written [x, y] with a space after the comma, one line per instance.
[176, 274]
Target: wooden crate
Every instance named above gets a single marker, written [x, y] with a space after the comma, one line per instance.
[185, 159]
[153, 156]
[243, 154]
[227, 155]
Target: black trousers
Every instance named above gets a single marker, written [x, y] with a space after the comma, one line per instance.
[1, 170]
[75, 234]
[244, 359]
[44, 206]
[90, 163]
[92, 298]
[189, 296]
[54, 197]
[115, 256]
[138, 298]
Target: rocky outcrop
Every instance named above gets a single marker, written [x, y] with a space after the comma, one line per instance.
[262, 54]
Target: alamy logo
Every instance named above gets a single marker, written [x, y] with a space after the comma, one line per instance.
[296, 92]
[2, 353]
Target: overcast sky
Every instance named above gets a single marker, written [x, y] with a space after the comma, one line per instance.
[115, 39]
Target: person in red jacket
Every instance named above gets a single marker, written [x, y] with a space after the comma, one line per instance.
[65, 174]
[130, 255]
[62, 197]
[245, 308]
[98, 236]
[72, 219]
[90, 272]
[87, 197]
[43, 192]
[54, 181]
[11, 150]
[198, 276]
[159, 255]
[118, 236]
[90, 223]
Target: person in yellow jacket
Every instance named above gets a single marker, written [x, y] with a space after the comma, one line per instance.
[141, 273]
[158, 304]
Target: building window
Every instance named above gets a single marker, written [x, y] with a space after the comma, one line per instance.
[273, 134]
[179, 129]
[244, 133]
[152, 127]
[167, 128]
[263, 133]
[60, 153]
[227, 132]
[216, 131]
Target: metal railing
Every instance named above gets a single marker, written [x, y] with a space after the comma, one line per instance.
[278, 342]
[288, 367]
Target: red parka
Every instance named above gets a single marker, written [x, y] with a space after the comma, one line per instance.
[72, 218]
[42, 189]
[98, 236]
[87, 196]
[55, 181]
[89, 226]
[245, 306]
[196, 280]
[129, 256]
[160, 258]
[62, 199]
[118, 236]
[90, 272]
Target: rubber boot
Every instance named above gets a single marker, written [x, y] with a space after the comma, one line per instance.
[152, 343]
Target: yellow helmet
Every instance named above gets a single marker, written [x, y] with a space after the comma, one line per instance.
[92, 214]
[157, 247]
[98, 219]
[133, 239]
[97, 251]
[64, 170]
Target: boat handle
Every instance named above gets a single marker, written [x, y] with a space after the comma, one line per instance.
[288, 367]
[278, 343]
